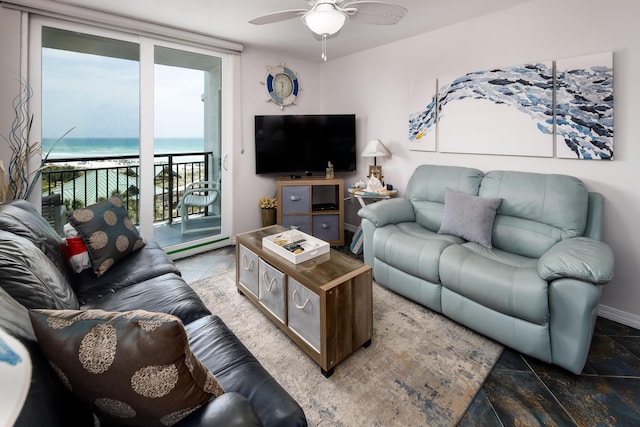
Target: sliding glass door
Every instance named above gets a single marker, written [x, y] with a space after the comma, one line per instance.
[90, 119]
[187, 116]
[136, 117]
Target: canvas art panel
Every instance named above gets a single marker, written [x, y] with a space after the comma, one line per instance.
[503, 111]
[422, 115]
[584, 107]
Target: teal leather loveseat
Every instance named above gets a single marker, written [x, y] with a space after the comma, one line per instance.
[533, 283]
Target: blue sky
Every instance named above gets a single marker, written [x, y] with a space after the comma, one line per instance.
[99, 96]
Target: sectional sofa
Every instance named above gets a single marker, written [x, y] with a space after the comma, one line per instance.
[515, 256]
[128, 340]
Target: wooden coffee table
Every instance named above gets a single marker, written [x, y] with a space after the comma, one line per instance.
[325, 305]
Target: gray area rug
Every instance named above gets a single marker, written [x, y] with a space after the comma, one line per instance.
[420, 370]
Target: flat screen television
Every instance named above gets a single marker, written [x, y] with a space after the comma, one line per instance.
[304, 144]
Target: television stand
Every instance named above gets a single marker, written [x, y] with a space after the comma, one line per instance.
[313, 205]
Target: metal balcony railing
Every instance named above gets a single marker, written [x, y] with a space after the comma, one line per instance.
[80, 182]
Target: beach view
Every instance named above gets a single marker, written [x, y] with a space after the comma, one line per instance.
[99, 155]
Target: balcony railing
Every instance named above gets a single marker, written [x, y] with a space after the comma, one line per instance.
[79, 182]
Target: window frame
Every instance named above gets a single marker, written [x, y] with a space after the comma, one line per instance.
[147, 46]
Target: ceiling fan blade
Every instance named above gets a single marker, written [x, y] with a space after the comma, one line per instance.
[283, 15]
[376, 12]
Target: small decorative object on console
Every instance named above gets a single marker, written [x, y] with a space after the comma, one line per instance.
[329, 173]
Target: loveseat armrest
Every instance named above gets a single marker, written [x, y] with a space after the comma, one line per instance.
[391, 211]
[580, 258]
[229, 410]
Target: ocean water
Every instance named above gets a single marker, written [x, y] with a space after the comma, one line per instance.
[114, 147]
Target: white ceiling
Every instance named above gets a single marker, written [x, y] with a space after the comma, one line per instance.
[228, 20]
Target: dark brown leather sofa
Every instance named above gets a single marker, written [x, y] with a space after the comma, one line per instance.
[145, 280]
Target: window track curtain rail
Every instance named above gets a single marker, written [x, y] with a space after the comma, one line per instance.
[121, 23]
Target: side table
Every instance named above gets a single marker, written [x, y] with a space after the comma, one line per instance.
[362, 197]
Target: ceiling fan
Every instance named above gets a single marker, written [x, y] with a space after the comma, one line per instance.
[326, 17]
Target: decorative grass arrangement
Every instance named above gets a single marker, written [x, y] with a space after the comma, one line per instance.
[17, 182]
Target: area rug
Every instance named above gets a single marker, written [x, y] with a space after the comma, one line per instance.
[420, 370]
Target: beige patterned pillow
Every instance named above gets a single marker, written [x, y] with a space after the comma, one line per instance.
[108, 232]
[132, 368]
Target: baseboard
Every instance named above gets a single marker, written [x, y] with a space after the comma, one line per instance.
[619, 316]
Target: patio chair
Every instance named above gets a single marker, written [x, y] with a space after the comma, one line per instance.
[198, 194]
[53, 211]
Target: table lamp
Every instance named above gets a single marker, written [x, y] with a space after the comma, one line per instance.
[375, 148]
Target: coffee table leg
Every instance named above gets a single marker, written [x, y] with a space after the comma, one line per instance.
[328, 373]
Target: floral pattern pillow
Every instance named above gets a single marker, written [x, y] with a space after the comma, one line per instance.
[132, 368]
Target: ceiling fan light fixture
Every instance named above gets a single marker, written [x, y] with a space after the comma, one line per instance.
[324, 19]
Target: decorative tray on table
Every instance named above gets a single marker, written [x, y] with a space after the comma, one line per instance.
[295, 246]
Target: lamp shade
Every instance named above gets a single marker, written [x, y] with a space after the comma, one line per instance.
[375, 148]
[324, 19]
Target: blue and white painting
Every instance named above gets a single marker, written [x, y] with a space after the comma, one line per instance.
[422, 115]
[584, 107]
[503, 111]
[511, 110]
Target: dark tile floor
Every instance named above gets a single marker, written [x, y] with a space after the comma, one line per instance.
[525, 392]
[521, 391]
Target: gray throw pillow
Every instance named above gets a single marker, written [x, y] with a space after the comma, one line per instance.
[469, 217]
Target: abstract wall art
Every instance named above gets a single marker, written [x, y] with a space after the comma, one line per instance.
[422, 115]
[584, 107]
[506, 111]
[558, 108]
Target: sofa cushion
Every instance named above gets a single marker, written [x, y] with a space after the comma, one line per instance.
[30, 277]
[537, 210]
[129, 271]
[14, 317]
[168, 293]
[22, 218]
[426, 190]
[501, 256]
[410, 248]
[108, 232]
[469, 217]
[239, 371]
[516, 291]
[131, 368]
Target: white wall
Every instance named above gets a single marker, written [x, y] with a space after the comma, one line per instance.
[9, 73]
[374, 84]
[249, 187]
